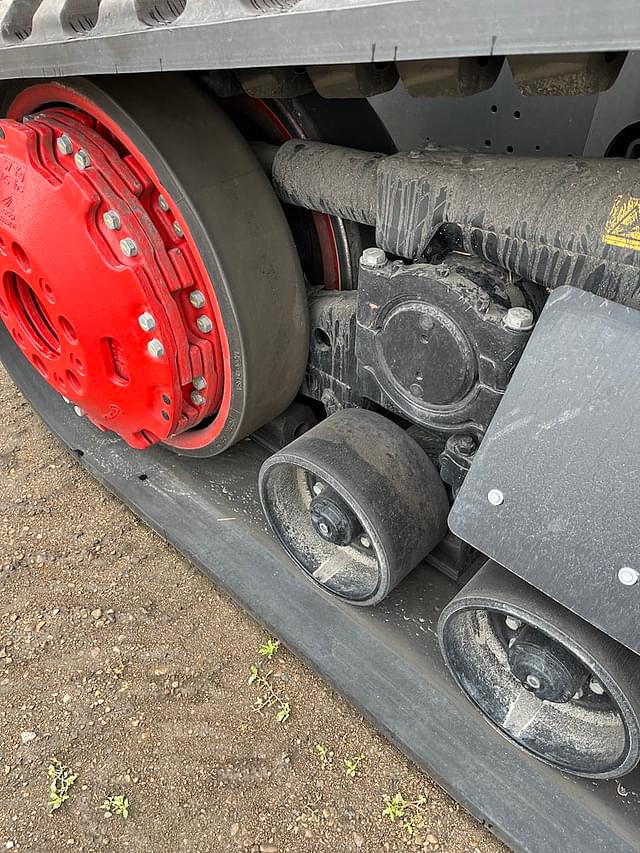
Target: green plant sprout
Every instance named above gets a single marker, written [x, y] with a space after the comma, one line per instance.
[116, 804]
[62, 780]
[268, 696]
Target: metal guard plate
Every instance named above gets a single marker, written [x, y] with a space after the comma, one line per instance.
[564, 449]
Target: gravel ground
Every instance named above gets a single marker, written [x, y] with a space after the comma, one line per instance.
[119, 660]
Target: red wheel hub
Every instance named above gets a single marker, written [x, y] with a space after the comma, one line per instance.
[101, 284]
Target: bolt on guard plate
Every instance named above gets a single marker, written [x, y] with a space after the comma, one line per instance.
[99, 285]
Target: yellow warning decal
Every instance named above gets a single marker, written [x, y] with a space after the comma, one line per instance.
[623, 225]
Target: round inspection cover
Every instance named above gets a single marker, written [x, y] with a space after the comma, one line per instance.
[356, 504]
[177, 309]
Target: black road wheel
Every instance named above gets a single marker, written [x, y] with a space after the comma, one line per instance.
[356, 504]
[547, 680]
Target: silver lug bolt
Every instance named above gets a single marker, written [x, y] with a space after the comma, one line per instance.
[322, 527]
[128, 247]
[318, 488]
[112, 220]
[199, 383]
[628, 576]
[79, 412]
[365, 542]
[197, 399]
[518, 319]
[147, 322]
[512, 623]
[373, 258]
[178, 230]
[82, 159]
[162, 203]
[196, 298]
[596, 687]
[533, 681]
[155, 348]
[204, 324]
[66, 399]
[65, 145]
[495, 497]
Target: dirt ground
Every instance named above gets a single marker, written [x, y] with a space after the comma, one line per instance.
[120, 661]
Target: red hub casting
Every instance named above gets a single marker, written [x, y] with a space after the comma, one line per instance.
[101, 284]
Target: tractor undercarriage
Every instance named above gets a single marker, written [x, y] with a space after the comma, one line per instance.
[230, 295]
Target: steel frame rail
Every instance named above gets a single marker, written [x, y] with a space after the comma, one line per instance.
[64, 37]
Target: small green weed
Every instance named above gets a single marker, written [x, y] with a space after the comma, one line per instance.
[268, 697]
[116, 804]
[408, 813]
[62, 780]
[268, 649]
[352, 765]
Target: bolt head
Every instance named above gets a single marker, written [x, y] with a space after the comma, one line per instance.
[464, 443]
[196, 298]
[323, 528]
[518, 319]
[512, 623]
[177, 230]
[373, 258]
[82, 159]
[197, 398]
[204, 324]
[628, 576]
[112, 220]
[163, 203]
[533, 681]
[147, 322]
[199, 383]
[495, 497]
[64, 144]
[128, 247]
[155, 348]
[79, 412]
[318, 488]
[365, 542]
[596, 687]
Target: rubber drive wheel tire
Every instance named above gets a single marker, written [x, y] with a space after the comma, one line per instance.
[235, 221]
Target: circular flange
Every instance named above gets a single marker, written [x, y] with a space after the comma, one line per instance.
[202, 238]
[356, 504]
[544, 678]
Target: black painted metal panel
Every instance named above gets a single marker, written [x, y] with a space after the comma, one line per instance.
[564, 450]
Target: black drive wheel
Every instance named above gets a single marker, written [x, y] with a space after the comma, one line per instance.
[546, 679]
[356, 504]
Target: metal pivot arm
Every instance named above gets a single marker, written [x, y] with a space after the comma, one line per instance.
[552, 221]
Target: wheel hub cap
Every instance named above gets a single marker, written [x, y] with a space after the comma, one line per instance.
[100, 283]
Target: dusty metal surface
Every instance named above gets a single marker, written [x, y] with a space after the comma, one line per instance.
[562, 450]
[60, 37]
